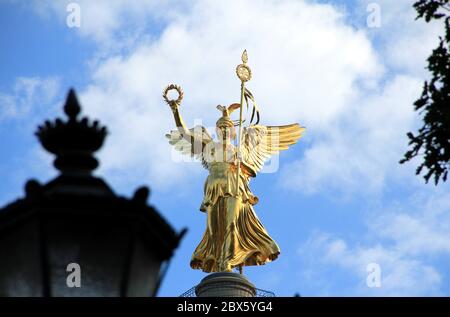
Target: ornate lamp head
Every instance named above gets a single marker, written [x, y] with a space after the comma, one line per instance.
[73, 141]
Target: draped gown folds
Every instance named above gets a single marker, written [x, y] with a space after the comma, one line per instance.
[234, 236]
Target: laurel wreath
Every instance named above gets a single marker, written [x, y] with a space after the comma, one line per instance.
[172, 101]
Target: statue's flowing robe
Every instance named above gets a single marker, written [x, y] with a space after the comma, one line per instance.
[234, 236]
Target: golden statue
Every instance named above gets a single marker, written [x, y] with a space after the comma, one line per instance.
[234, 236]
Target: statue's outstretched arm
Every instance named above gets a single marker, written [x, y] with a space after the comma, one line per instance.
[174, 104]
[181, 126]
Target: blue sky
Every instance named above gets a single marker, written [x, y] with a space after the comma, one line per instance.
[339, 200]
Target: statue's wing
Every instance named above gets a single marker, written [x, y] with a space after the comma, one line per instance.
[200, 138]
[260, 142]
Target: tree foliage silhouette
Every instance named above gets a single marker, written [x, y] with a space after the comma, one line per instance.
[433, 139]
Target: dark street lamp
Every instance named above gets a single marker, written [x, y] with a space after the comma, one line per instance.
[76, 229]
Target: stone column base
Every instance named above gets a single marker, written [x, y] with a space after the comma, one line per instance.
[225, 284]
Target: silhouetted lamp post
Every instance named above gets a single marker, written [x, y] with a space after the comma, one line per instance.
[74, 236]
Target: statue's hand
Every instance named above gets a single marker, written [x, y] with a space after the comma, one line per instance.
[173, 105]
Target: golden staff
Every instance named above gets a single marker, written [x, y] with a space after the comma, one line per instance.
[245, 74]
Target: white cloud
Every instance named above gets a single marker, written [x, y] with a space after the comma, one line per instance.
[405, 42]
[114, 25]
[360, 151]
[402, 238]
[400, 275]
[418, 232]
[363, 147]
[306, 64]
[29, 94]
[309, 66]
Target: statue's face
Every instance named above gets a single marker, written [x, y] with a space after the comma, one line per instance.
[226, 134]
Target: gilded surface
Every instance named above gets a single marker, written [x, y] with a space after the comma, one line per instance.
[234, 236]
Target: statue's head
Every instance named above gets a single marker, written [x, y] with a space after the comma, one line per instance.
[225, 126]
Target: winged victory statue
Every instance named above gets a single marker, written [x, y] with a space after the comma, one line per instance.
[234, 236]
